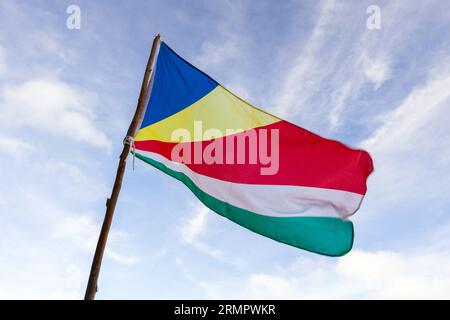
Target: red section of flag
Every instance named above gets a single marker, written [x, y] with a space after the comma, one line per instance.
[305, 159]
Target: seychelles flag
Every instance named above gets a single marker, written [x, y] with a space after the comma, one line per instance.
[264, 173]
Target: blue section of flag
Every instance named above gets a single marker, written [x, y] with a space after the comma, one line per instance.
[177, 85]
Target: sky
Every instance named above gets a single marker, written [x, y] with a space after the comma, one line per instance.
[67, 97]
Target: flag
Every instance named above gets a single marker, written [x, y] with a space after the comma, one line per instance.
[259, 171]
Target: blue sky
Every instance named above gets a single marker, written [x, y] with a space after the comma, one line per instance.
[67, 96]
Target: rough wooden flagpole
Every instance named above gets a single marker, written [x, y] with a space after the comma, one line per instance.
[111, 202]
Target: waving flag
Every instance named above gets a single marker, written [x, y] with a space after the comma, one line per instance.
[264, 173]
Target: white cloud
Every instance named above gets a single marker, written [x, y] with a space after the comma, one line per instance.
[411, 147]
[15, 146]
[52, 259]
[363, 69]
[306, 70]
[207, 287]
[49, 229]
[359, 275]
[82, 232]
[43, 276]
[413, 115]
[121, 258]
[194, 227]
[51, 106]
[339, 96]
[327, 72]
[215, 54]
[376, 70]
[228, 42]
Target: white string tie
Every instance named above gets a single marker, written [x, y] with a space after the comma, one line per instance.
[130, 141]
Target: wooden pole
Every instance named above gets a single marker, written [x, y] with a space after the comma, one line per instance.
[111, 202]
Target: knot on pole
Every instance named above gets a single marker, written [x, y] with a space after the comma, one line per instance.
[129, 140]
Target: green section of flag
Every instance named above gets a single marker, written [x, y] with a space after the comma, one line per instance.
[324, 235]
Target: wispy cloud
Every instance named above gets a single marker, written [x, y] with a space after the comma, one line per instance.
[14, 146]
[225, 50]
[329, 74]
[82, 232]
[51, 106]
[373, 275]
[49, 255]
[307, 69]
[423, 105]
[376, 70]
[339, 96]
[196, 225]
[410, 149]
[192, 229]
[209, 288]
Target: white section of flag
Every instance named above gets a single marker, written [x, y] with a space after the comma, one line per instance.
[271, 200]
